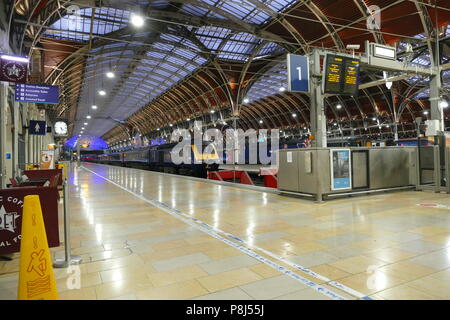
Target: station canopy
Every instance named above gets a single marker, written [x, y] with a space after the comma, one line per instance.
[210, 60]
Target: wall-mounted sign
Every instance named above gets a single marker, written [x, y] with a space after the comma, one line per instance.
[13, 68]
[37, 93]
[37, 128]
[341, 75]
[341, 171]
[298, 73]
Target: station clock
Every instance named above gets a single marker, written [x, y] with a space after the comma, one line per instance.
[61, 128]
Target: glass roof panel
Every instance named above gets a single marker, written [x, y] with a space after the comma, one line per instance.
[77, 27]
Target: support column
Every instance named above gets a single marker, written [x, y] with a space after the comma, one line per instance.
[78, 154]
[16, 140]
[436, 111]
[317, 115]
[3, 113]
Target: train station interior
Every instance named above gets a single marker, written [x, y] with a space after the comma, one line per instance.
[225, 150]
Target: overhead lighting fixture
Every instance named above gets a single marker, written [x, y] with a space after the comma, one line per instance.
[137, 20]
[246, 100]
[158, 129]
[14, 58]
[94, 107]
[110, 74]
[282, 89]
[188, 119]
[213, 111]
[443, 104]
[102, 92]
[83, 128]
[425, 112]
[171, 125]
[294, 115]
[85, 123]
[339, 106]
[260, 121]
[88, 117]
[374, 119]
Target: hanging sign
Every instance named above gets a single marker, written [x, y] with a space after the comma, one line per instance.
[13, 68]
[37, 93]
[298, 73]
[37, 128]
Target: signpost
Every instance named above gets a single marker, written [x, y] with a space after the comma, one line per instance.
[298, 73]
[37, 93]
[37, 128]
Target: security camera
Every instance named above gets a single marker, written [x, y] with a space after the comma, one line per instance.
[353, 46]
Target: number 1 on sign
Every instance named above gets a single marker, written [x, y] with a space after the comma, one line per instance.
[299, 73]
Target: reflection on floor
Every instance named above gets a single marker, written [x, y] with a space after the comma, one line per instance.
[383, 246]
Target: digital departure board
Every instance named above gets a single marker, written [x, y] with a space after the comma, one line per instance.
[341, 75]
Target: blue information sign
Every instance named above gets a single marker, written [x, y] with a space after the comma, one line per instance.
[298, 73]
[37, 93]
[37, 128]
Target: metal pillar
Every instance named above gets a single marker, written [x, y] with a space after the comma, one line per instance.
[437, 113]
[317, 117]
[69, 259]
[15, 152]
[78, 154]
[3, 112]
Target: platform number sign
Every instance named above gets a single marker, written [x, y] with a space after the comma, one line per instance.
[298, 73]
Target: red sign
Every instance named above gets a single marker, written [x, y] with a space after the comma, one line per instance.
[13, 69]
[11, 207]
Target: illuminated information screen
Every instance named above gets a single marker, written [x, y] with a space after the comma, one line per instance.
[341, 75]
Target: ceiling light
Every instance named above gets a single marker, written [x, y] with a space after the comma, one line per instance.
[294, 115]
[83, 128]
[137, 20]
[246, 100]
[85, 123]
[282, 89]
[213, 111]
[374, 119]
[260, 121]
[339, 106]
[425, 112]
[110, 74]
[158, 129]
[94, 107]
[88, 117]
[188, 119]
[13, 58]
[389, 85]
[443, 104]
[171, 125]
[102, 92]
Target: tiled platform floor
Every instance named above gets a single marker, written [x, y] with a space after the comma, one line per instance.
[384, 246]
